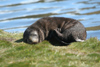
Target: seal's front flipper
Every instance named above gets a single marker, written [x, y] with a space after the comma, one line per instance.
[59, 37]
[58, 34]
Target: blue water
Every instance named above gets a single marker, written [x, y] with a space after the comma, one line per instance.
[17, 15]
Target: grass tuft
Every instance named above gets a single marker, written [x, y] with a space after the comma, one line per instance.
[4, 43]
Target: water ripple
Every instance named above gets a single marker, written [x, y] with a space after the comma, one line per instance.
[19, 14]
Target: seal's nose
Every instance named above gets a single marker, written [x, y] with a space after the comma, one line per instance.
[34, 40]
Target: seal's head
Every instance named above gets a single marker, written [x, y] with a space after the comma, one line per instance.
[31, 36]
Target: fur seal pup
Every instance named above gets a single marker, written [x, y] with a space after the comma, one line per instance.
[65, 30]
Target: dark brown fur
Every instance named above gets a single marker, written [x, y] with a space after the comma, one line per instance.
[48, 27]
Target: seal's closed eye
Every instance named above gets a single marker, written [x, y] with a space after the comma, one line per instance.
[33, 35]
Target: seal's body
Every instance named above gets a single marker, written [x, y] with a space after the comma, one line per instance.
[64, 29]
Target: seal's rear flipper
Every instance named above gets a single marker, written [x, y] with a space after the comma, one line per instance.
[79, 40]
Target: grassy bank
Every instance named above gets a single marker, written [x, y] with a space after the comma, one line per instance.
[15, 53]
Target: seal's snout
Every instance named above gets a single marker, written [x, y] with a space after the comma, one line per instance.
[34, 37]
[32, 42]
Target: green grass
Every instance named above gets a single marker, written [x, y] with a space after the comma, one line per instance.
[15, 53]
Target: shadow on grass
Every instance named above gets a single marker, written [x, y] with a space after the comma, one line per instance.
[52, 41]
[57, 42]
[20, 40]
